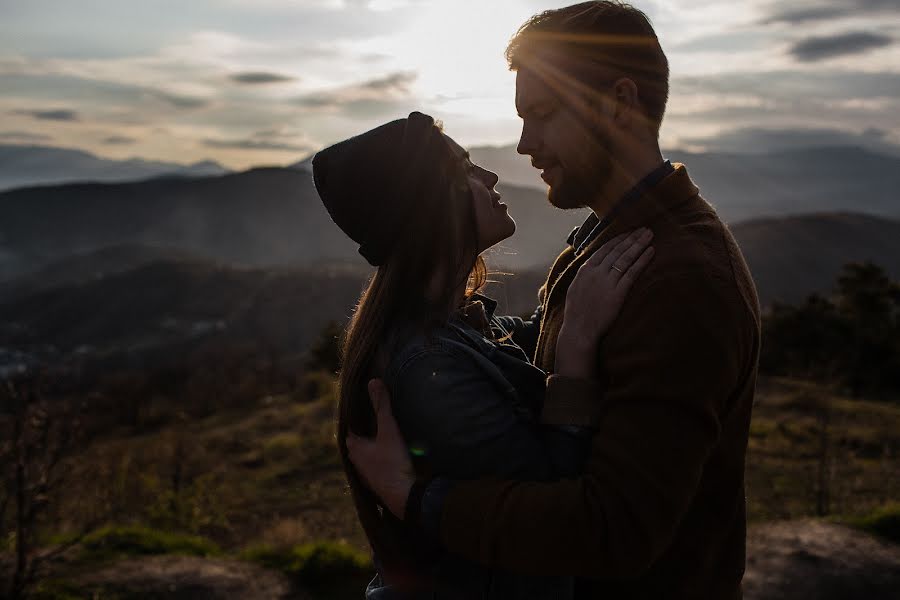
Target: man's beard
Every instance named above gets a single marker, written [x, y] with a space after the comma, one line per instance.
[576, 188]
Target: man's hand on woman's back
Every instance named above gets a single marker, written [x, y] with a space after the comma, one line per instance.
[383, 462]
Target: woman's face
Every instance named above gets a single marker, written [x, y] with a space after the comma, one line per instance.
[491, 216]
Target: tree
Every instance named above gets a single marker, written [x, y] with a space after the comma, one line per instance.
[851, 338]
[37, 436]
[325, 352]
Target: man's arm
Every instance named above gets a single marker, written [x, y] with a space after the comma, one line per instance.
[660, 421]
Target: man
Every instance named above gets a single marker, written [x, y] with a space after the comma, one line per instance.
[660, 510]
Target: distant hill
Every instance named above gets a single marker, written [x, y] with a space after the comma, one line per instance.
[262, 217]
[22, 166]
[157, 312]
[268, 216]
[272, 217]
[749, 186]
[792, 257]
[139, 306]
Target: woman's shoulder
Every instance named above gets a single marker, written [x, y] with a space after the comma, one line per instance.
[410, 346]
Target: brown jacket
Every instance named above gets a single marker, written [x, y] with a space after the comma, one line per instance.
[660, 509]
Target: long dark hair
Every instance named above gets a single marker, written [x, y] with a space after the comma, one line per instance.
[439, 240]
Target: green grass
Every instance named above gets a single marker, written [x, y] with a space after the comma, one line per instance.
[316, 562]
[112, 543]
[883, 522]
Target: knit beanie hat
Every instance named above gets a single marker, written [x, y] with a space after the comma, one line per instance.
[370, 183]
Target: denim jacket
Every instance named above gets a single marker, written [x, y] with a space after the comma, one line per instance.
[468, 407]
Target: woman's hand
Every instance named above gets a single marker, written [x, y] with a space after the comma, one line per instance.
[594, 299]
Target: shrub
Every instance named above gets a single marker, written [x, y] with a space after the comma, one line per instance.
[314, 563]
[133, 540]
[883, 522]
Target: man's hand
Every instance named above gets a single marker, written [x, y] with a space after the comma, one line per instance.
[383, 463]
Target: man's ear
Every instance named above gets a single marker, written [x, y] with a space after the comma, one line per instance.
[625, 92]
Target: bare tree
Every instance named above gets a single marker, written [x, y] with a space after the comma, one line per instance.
[38, 437]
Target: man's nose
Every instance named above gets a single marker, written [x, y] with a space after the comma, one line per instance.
[528, 142]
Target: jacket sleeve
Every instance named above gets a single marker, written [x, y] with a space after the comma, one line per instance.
[660, 420]
[463, 426]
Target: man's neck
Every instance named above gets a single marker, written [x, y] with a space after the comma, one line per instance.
[626, 174]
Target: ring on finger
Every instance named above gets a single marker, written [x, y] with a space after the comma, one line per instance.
[618, 269]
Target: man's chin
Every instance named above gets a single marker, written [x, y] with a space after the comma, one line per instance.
[562, 198]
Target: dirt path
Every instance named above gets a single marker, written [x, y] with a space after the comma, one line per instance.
[809, 559]
[188, 577]
[790, 560]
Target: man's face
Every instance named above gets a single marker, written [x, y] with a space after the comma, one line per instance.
[566, 138]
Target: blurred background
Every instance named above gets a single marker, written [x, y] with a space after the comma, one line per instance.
[172, 290]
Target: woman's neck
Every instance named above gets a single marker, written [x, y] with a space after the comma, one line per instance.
[435, 292]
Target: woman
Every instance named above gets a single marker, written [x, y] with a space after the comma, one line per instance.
[464, 395]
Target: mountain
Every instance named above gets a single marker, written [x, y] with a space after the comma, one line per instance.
[303, 165]
[792, 257]
[159, 312]
[266, 216]
[135, 307]
[749, 186]
[272, 217]
[22, 166]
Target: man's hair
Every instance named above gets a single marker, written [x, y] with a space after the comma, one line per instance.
[614, 36]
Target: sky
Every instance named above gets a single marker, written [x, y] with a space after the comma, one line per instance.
[251, 82]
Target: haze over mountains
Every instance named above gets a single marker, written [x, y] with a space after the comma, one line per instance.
[144, 271]
[271, 217]
[44, 165]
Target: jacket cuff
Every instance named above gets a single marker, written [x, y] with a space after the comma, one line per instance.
[572, 401]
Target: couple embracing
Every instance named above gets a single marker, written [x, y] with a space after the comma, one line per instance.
[595, 450]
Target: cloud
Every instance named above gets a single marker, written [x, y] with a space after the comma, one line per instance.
[177, 100]
[366, 99]
[829, 10]
[758, 140]
[50, 115]
[259, 77]
[261, 140]
[118, 140]
[821, 48]
[24, 136]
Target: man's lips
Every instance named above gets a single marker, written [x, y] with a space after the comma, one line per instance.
[548, 172]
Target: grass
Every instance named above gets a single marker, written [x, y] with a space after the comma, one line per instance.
[800, 431]
[110, 543]
[331, 570]
[883, 522]
[315, 562]
[272, 479]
